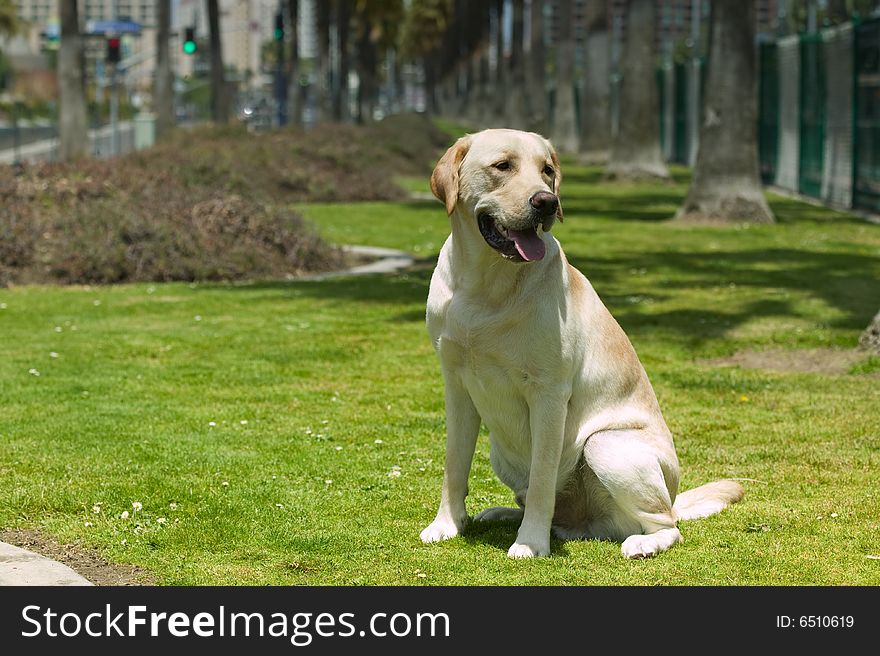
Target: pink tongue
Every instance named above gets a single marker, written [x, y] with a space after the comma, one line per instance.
[529, 245]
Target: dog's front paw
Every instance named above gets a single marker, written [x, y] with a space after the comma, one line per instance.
[441, 529]
[521, 550]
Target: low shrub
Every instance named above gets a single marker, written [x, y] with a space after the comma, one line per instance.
[209, 204]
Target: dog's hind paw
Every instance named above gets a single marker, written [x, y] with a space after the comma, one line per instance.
[648, 546]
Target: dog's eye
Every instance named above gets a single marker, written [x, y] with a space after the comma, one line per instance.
[503, 166]
[548, 170]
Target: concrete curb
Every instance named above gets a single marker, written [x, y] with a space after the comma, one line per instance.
[389, 261]
[22, 567]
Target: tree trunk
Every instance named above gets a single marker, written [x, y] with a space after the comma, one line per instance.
[870, 339]
[499, 78]
[322, 64]
[517, 111]
[219, 106]
[73, 124]
[164, 83]
[635, 151]
[366, 63]
[340, 95]
[596, 101]
[726, 185]
[295, 90]
[537, 70]
[565, 134]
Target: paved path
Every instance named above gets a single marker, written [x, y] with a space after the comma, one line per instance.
[22, 567]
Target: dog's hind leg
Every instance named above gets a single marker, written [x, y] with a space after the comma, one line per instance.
[635, 474]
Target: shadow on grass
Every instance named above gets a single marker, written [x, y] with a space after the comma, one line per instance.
[501, 535]
[842, 280]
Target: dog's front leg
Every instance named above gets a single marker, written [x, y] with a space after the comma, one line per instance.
[547, 413]
[462, 428]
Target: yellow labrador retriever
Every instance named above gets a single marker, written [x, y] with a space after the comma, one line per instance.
[527, 347]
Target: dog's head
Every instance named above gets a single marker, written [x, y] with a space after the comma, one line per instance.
[508, 182]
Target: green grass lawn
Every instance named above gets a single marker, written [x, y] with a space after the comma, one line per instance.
[293, 432]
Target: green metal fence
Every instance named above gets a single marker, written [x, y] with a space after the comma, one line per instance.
[768, 111]
[812, 115]
[866, 140]
[818, 113]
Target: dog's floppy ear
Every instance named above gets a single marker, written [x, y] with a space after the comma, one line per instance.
[557, 180]
[444, 180]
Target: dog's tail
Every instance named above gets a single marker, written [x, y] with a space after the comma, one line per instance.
[707, 499]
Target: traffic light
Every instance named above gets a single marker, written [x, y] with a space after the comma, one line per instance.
[278, 33]
[189, 41]
[113, 50]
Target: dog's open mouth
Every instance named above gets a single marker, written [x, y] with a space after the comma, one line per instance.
[516, 245]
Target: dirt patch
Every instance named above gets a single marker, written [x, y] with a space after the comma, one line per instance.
[83, 560]
[807, 361]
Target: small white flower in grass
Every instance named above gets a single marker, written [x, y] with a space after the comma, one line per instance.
[161, 520]
[339, 448]
[378, 442]
[53, 354]
[212, 423]
[279, 505]
[96, 509]
[325, 421]
[243, 422]
[328, 481]
[137, 505]
[151, 290]
[225, 483]
[58, 329]
[395, 472]
[124, 514]
[33, 372]
[198, 317]
[3, 306]
[172, 505]
[834, 514]
[124, 542]
[421, 575]
[88, 524]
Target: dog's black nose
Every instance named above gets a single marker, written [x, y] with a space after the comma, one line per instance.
[544, 202]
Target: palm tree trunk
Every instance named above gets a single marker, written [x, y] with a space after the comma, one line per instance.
[499, 79]
[537, 69]
[726, 185]
[635, 152]
[164, 90]
[517, 111]
[565, 134]
[219, 105]
[870, 339]
[73, 125]
[322, 88]
[340, 89]
[295, 91]
[596, 101]
[366, 63]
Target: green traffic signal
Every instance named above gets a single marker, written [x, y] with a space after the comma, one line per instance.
[189, 41]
